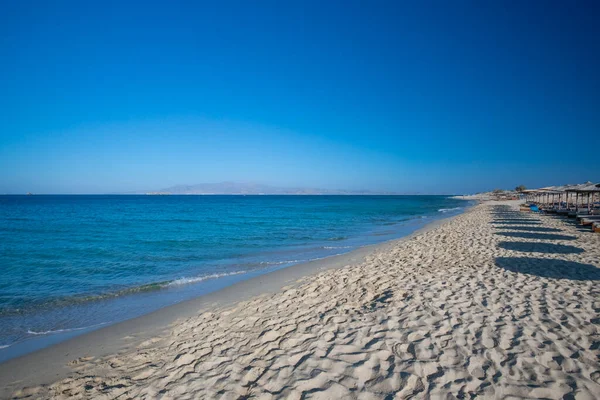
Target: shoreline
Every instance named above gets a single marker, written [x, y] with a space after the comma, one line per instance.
[35, 330]
[491, 303]
[51, 363]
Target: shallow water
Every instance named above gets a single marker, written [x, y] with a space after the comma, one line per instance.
[68, 263]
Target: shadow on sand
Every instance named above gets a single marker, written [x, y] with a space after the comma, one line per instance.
[549, 268]
[529, 228]
[540, 248]
[532, 235]
[516, 217]
[516, 221]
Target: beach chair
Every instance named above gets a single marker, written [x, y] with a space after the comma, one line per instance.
[590, 220]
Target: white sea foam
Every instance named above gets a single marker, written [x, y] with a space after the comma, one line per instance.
[337, 247]
[29, 331]
[445, 210]
[3, 346]
[196, 279]
[282, 262]
[51, 331]
[185, 281]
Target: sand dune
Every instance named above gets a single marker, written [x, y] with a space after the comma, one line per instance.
[494, 303]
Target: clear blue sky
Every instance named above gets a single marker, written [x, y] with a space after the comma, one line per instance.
[427, 97]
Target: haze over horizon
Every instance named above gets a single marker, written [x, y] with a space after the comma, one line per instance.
[430, 98]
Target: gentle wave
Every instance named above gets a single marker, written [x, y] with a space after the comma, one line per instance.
[185, 281]
[50, 332]
[445, 210]
[282, 262]
[149, 287]
[337, 247]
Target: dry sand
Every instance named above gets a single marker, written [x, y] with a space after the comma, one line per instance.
[494, 303]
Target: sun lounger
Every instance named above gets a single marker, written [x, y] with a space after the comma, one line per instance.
[583, 214]
[586, 215]
[590, 220]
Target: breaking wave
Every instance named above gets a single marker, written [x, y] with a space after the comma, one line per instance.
[185, 281]
[50, 332]
[445, 210]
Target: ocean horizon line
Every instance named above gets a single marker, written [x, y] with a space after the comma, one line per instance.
[233, 194]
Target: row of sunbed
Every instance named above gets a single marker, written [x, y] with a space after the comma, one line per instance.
[584, 217]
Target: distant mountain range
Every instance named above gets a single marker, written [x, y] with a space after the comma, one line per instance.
[249, 188]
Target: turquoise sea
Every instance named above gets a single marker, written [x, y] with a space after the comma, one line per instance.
[72, 263]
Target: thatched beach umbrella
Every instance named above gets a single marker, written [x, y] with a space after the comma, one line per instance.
[529, 194]
[584, 189]
[590, 190]
[547, 195]
[566, 190]
[549, 192]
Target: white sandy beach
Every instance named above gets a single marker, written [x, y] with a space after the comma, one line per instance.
[493, 303]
